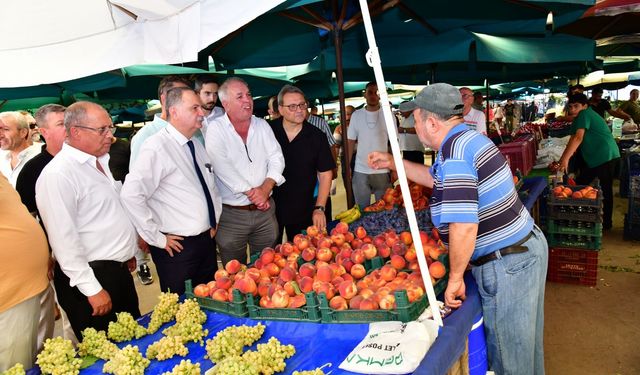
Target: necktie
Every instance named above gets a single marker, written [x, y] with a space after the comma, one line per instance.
[212, 210]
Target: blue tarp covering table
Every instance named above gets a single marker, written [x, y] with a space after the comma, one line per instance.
[533, 186]
[321, 344]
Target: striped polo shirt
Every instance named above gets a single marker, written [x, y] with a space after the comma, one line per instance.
[473, 184]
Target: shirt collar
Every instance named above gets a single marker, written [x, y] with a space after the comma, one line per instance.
[455, 130]
[82, 157]
[157, 118]
[22, 154]
[175, 134]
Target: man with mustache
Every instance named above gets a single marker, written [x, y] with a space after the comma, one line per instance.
[171, 196]
[248, 163]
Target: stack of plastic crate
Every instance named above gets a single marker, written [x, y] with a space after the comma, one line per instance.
[632, 218]
[574, 234]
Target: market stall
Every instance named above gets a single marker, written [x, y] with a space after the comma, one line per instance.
[311, 340]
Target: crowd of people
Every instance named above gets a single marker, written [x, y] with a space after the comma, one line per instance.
[202, 182]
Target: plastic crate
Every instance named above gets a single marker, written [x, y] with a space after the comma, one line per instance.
[307, 313]
[518, 156]
[633, 164]
[631, 232]
[404, 312]
[236, 308]
[574, 241]
[573, 266]
[578, 227]
[634, 186]
[581, 209]
[531, 146]
[633, 212]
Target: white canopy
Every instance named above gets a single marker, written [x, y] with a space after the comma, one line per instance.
[48, 41]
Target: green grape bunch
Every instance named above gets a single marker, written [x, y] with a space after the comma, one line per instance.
[270, 357]
[167, 347]
[234, 365]
[185, 367]
[164, 312]
[189, 321]
[189, 310]
[128, 361]
[125, 328]
[58, 358]
[231, 340]
[95, 343]
[17, 369]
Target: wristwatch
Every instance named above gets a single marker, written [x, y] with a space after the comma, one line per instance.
[321, 208]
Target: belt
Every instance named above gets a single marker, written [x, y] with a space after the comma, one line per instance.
[107, 263]
[249, 207]
[516, 248]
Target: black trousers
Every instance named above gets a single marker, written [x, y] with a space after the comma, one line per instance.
[115, 278]
[197, 261]
[605, 173]
[414, 156]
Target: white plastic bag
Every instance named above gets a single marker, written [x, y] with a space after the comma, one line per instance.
[629, 127]
[392, 348]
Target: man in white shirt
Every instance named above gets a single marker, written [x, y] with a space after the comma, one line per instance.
[474, 119]
[89, 232]
[15, 140]
[159, 122]
[207, 89]
[248, 163]
[166, 198]
[368, 129]
[410, 145]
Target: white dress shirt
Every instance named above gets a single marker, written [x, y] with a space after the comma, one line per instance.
[215, 113]
[143, 134]
[85, 221]
[162, 192]
[146, 132]
[23, 157]
[239, 167]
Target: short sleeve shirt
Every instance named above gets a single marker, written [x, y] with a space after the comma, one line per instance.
[602, 107]
[306, 155]
[473, 184]
[368, 128]
[598, 145]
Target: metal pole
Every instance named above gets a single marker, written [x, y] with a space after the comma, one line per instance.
[487, 109]
[337, 41]
[373, 59]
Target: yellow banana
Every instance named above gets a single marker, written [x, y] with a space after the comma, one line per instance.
[347, 213]
[353, 217]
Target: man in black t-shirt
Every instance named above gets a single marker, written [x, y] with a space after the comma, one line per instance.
[307, 159]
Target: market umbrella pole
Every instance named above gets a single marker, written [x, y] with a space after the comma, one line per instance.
[337, 40]
[373, 59]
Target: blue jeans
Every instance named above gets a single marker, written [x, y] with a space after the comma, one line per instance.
[512, 292]
[366, 184]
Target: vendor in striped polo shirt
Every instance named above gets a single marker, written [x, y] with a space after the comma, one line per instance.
[476, 209]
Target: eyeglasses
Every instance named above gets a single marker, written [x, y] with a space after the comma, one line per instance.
[294, 107]
[100, 131]
[464, 96]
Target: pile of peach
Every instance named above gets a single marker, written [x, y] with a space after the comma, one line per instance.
[393, 197]
[588, 192]
[334, 265]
